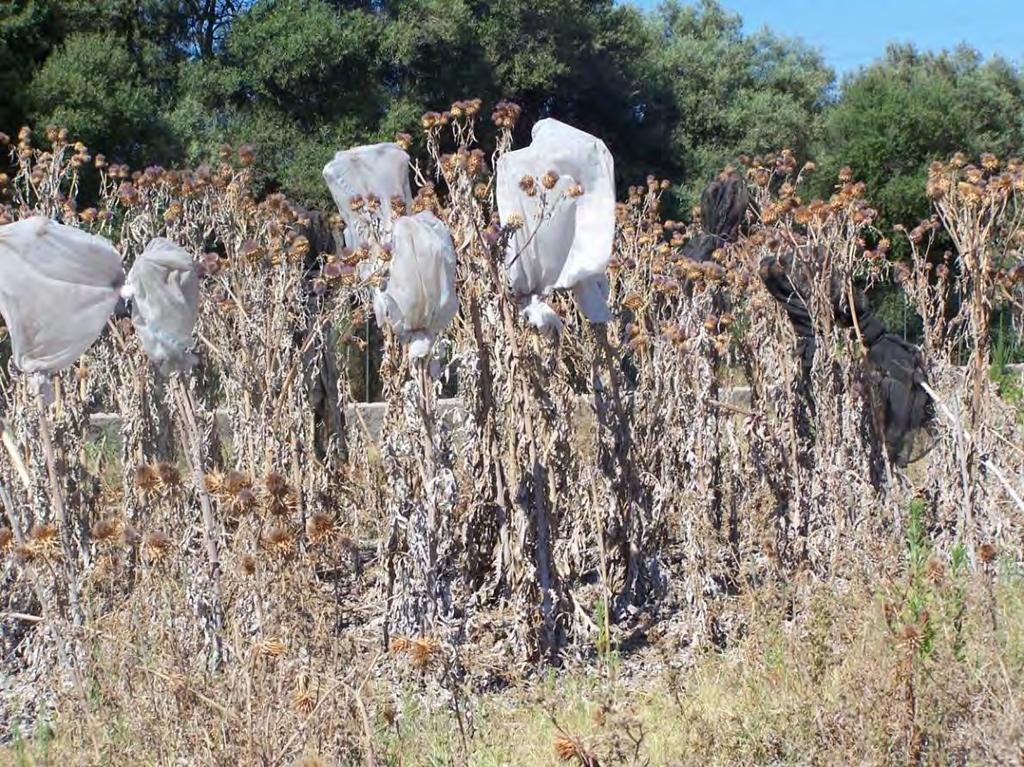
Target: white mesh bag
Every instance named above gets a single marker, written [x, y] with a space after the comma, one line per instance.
[381, 170]
[164, 289]
[420, 299]
[58, 287]
[566, 240]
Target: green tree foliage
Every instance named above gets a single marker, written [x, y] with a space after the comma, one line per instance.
[896, 116]
[93, 84]
[733, 94]
[24, 44]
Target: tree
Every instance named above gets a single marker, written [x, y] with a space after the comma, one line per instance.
[733, 94]
[897, 115]
[94, 87]
[26, 37]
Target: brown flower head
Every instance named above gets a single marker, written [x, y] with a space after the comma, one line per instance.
[156, 545]
[105, 531]
[43, 539]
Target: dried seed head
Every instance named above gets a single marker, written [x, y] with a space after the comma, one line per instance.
[130, 536]
[214, 481]
[242, 501]
[550, 179]
[156, 545]
[169, 477]
[247, 564]
[246, 154]
[271, 647]
[302, 698]
[423, 652]
[43, 539]
[569, 750]
[251, 251]
[987, 553]
[235, 482]
[105, 531]
[6, 540]
[147, 479]
[278, 541]
[320, 528]
[911, 634]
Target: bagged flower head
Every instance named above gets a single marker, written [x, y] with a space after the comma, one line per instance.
[368, 183]
[560, 190]
[58, 287]
[420, 299]
[164, 289]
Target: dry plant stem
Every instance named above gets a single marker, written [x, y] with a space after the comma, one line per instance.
[546, 573]
[210, 533]
[16, 459]
[429, 465]
[60, 512]
[955, 422]
[8, 504]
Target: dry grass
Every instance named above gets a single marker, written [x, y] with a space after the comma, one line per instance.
[829, 687]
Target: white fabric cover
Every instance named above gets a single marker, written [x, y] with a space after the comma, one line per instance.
[58, 287]
[164, 289]
[378, 169]
[420, 299]
[571, 245]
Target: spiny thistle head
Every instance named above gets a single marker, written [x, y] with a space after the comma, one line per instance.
[105, 531]
[569, 749]
[421, 652]
[303, 699]
[43, 539]
[156, 545]
[270, 647]
[275, 484]
[987, 553]
[235, 482]
[130, 536]
[147, 479]
[169, 477]
[278, 541]
[320, 528]
[246, 155]
[247, 564]
[242, 501]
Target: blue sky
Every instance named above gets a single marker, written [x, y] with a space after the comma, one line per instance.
[851, 33]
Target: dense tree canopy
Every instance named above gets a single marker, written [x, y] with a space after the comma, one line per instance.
[893, 118]
[678, 92]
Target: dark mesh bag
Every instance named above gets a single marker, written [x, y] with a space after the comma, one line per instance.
[895, 367]
[723, 204]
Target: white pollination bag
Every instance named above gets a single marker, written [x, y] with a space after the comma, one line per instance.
[420, 299]
[164, 289]
[58, 287]
[561, 189]
[366, 182]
